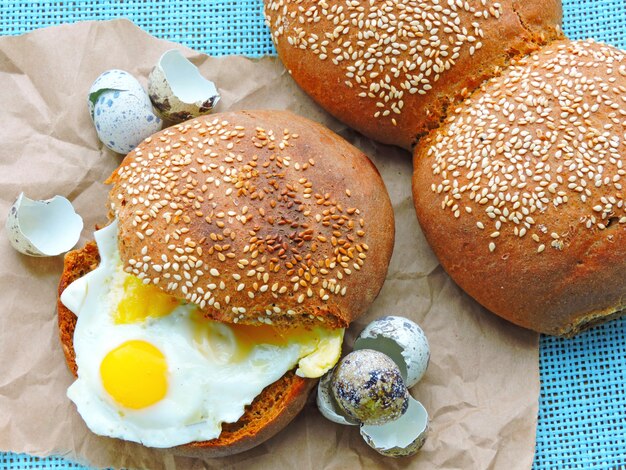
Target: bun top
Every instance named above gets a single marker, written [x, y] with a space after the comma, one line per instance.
[257, 217]
[391, 68]
[521, 191]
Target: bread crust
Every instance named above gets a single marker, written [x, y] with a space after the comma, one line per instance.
[76, 264]
[520, 192]
[395, 84]
[270, 411]
[257, 217]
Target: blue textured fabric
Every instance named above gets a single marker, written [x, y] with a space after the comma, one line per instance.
[582, 407]
[216, 27]
[582, 410]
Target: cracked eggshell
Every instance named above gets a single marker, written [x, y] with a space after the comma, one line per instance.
[121, 111]
[369, 388]
[43, 228]
[327, 404]
[402, 437]
[402, 340]
[177, 89]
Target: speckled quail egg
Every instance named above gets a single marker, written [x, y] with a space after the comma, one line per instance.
[121, 111]
[369, 387]
[327, 404]
[402, 437]
[43, 228]
[402, 340]
[177, 89]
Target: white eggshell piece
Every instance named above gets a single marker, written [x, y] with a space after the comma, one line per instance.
[402, 437]
[178, 90]
[402, 340]
[328, 405]
[43, 228]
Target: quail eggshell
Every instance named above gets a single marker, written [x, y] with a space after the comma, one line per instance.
[177, 89]
[123, 120]
[369, 388]
[43, 228]
[402, 340]
[327, 404]
[121, 111]
[114, 79]
[402, 437]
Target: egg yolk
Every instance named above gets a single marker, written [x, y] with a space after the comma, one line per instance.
[135, 374]
[141, 301]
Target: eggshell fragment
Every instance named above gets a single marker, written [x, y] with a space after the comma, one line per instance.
[402, 437]
[369, 388]
[43, 228]
[327, 404]
[178, 90]
[121, 111]
[402, 340]
[113, 80]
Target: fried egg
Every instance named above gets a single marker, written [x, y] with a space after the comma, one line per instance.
[153, 370]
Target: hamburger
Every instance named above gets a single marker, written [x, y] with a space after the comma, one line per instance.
[239, 247]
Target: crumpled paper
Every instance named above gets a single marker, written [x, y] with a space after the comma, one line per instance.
[482, 384]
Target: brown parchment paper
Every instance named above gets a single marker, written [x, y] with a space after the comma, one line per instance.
[482, 384]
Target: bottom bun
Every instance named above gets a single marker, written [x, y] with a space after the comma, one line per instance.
[270, 411]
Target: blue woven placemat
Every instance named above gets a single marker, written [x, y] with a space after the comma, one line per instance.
[582, 412]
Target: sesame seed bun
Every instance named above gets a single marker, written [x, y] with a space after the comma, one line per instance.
[390, 69]
[520, 192]
[257, 217]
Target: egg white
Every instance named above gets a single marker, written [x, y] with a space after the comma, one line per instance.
[205, 387]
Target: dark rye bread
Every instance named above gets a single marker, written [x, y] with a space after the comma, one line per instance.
[272, 410]
[257, 217]
[391, 68]
[521, 192]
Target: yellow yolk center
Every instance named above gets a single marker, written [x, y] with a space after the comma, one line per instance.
[135, 374]
[141, 301]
